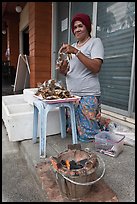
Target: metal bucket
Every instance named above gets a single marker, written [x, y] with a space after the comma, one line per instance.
[71, 190]
[76, 187]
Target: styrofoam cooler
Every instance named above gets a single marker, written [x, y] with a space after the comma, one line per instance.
[13, 99]
[19, 122]
[18, 118]
[28, 95]
[10, 100]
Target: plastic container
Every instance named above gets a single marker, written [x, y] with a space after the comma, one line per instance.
[109, 143]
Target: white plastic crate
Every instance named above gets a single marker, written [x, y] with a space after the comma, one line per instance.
[18, 118]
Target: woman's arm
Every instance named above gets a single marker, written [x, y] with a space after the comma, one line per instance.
[92, 64]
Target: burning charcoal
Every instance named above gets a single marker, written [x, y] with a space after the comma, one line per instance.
[83, 161]
[59, 165]
[67, 164]
[74, 165]
[54, 164]
[63, 162]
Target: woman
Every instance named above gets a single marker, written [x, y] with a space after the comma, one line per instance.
[82, 75]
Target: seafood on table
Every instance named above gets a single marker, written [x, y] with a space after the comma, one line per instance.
[51, 89]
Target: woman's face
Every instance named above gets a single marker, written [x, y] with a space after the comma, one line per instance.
[80, 30]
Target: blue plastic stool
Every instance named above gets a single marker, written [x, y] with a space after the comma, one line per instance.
[43, 108]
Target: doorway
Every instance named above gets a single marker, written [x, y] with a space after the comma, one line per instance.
[25, 41]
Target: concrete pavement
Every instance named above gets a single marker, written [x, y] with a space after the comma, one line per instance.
[18, 184]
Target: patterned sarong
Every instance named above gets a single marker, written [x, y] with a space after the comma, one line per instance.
[88, 113]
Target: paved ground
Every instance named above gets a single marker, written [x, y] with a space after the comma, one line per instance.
[18, 184]
[20, 180]
[120, 171]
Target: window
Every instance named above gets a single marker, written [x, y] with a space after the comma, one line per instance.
[116, 27]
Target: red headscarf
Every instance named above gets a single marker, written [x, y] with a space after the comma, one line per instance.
[84, 18]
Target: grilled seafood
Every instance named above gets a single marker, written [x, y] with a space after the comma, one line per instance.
[63, 56]
[52, 90]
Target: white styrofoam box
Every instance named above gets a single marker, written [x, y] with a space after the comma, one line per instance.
[13, 99]
[28, 95]
[10, 100]
[19, 122]
[18, 119]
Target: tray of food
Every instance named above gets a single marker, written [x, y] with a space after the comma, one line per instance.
[53, 92]
[58, 100]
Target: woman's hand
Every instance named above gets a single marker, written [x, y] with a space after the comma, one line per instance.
[63, 67]
[63, 62]
[68, 49]
[93, 65]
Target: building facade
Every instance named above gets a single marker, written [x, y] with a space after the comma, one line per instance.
[44, 26]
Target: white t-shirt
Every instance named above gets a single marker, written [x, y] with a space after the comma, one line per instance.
[79, 80]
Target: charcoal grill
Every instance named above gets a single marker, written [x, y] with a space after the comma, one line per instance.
[76, 170]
